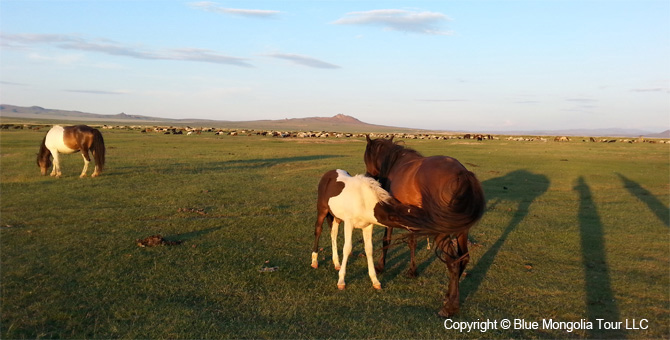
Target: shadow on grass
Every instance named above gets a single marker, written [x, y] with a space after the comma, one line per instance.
[520, 186]
[192, 235]
[269, 162]
[190, 168]
[654, 204]
[600, 301]
[398, 256]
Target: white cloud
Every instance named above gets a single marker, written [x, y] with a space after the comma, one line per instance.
[303, 60]
[398, 20]
[99, 92]
[72, 42]
[651, 89]
[63, 59]
[216, 8]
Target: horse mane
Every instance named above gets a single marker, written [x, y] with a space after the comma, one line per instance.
[382, 195]
[390, 152]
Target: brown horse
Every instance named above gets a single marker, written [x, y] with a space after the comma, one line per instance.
[71, 139]
[449, 194]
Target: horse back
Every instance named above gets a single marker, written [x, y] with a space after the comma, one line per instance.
[411, 180]
[55, 141]
[439, 176]
[79, 136]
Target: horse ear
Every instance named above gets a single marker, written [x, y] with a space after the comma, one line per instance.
[391, 140]
[367, 137]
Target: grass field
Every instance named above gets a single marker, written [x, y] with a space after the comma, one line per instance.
[574, 231]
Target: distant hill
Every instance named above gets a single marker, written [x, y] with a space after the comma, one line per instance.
[664, 134]
[339, 122]
[37, 112]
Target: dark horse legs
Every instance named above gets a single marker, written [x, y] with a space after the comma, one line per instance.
[411, 242]
[333, 222]
[318, 228]
[457, 258]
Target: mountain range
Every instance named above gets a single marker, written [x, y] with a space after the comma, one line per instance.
[339, 122]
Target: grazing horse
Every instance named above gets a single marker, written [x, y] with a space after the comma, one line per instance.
[67, 140]
[451, 197]
[360, 202]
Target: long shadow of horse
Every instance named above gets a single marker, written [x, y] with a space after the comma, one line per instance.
[269, 162]
[183, 167]
[600, 299]
[519, 186]
[655, 205]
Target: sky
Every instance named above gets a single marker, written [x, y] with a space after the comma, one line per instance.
[448, 65]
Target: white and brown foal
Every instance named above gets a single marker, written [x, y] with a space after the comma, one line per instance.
[360, 202]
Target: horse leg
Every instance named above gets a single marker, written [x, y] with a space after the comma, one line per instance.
[55, 172]
[96, 170]
[367, 238]
[334, 229]
[318, 227]
[457, 257]
[411, 242]
[87, 159]
[346, 251]
[386, 243]
[463, 251]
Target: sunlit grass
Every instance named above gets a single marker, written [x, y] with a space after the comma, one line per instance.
[71, 267]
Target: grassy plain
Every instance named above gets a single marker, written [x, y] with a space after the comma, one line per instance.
[574, 231]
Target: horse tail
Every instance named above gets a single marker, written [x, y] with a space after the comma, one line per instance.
[454, 208]
[98, 148]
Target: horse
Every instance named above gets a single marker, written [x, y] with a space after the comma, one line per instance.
[451, 197]
[71, 139]
[360, 202]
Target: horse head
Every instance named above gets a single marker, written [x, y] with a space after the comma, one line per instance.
[44, 159]
[375, 153]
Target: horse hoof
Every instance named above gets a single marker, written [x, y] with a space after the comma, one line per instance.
[448, 312]
[377, 286]
[338, 268]
[341, 287]
[315, 265]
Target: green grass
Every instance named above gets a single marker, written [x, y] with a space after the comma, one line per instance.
[573, 231]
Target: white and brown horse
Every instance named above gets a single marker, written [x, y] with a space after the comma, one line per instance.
[360, 202]
[71, 139]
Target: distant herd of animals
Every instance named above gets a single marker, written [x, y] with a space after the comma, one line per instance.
[171, 130]
[435, 197]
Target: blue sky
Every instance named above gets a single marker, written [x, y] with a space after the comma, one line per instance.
[450, 65]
